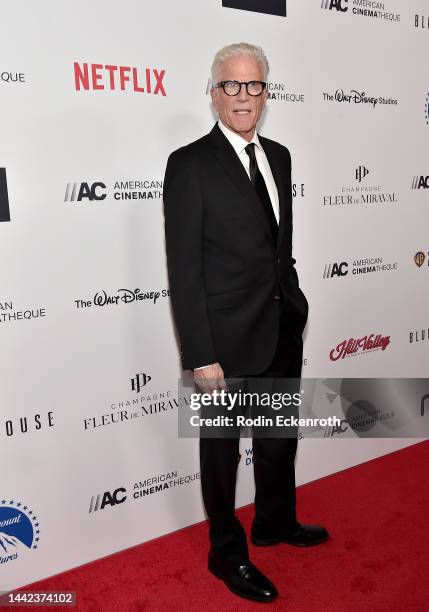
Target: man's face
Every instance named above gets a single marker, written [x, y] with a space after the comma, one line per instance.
[240, 113]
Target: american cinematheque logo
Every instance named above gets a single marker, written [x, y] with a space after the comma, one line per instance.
[19, 531]
[357, 267]
[97, 191]
[270, 7]
[147, 486]
[362, 8]
[12, 78]
[9, 313]
[277, 91]
[359, 346]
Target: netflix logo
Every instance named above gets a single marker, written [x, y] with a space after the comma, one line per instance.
[121, 78]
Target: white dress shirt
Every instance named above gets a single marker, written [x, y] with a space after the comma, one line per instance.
[239, 145]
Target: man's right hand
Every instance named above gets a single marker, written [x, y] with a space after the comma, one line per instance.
[210, 378]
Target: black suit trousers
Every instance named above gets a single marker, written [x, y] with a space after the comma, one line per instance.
[273, 463]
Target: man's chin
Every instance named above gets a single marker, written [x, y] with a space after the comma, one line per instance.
[244, 128]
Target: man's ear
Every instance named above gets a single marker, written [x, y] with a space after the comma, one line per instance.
[214, 93]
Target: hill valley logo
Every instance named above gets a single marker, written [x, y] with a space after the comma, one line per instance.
[359, 346]
[19, 531]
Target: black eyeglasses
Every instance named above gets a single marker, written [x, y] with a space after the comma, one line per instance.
[233, 88]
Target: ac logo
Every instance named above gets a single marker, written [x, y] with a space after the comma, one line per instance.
[420, 182]
[336, 269]
[77, 192]
[339, 5]
[100, 501]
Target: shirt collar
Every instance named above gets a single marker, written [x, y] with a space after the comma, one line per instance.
[238, 143]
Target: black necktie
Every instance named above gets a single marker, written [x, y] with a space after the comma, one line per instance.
[261, 189]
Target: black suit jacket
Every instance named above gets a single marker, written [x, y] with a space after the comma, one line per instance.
[225, 271]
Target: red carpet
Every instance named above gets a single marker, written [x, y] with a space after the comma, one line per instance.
[377, 559]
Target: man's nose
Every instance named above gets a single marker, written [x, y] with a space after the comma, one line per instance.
[243, 95]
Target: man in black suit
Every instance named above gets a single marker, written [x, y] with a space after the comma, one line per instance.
[237, 303]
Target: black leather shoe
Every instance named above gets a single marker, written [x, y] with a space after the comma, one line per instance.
[303, 535]
[244, 580]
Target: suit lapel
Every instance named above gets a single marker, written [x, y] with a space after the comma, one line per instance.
[229, 159]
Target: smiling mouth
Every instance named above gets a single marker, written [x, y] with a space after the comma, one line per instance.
[242, 111]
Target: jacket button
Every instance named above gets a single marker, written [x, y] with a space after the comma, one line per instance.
[276, 297]
[278, 260]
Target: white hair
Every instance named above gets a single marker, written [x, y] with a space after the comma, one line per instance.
[239, 49]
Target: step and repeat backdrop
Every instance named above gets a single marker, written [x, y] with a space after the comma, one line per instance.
[94, 97]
